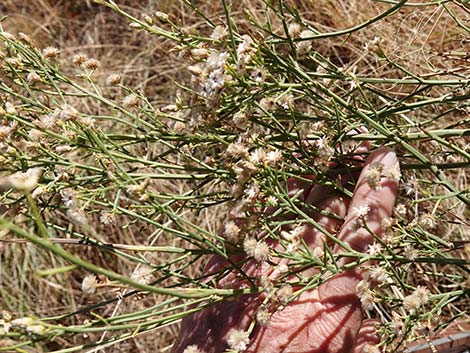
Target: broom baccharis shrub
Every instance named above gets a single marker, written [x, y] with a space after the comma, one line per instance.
[264, 102]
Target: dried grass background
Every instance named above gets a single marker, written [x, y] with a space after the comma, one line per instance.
[419, 38]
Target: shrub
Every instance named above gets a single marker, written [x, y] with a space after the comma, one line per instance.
[111, 195]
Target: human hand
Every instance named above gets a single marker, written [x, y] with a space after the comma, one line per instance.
[327, 319]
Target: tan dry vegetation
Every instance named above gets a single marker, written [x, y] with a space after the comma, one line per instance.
[419, 39]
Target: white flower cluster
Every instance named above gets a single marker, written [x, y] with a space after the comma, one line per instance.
[142, 274]
[419, 297]
[6, 131]
[260, 250]
[231, 231]
[284, 294]
[365, 294]
[263, 316]
[74, 212]
[293, 234]
[359, 214]
[211, 75]
[266, 158]
[192, 349]
[305, 46]
[375, 172]
[238, 340]
[22, 181]
[89, 284]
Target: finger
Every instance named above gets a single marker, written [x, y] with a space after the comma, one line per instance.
[333, 210]
[367, 338]
[356, 150]
[328, 199]
[312, 193]
[373, 200]
[302, 186]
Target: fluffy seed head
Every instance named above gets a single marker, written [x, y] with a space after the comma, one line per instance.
[428, 221]
[422, 293]
[258, 156]
[244, 170]
[231, 231]
[401, 210]
[179, 127]
[318, 252]
[241, 119]
[272, 158]
[305, 46]
[89, 284]
[419, 297]
[237, 150]
[386, 224]
[113, 80]
[10, 108]
[294, 30]
[272, 201]
[393, 173]
[268, 104]
[411, 303]
[379, 275]
[410, 253]
[22, 181]
[192, 349]
[249, 246]
[142, 274]
[50, 52]
[374, 249]
[259, 250]
[293, 234]
[79, 59]
[91, 64]
[361, 211]
[77, 216]
[69, 113]
[365, 294]
[263, 316]
[373, 175]
[33, 77]
[199, 53]
[282, 269]
[5, 132]
[219, 33]
[284, 294]
[107, 218]
[130, 101]
[262, 251]
[238, 340]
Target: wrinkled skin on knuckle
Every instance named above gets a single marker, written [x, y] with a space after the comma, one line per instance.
[323, 321]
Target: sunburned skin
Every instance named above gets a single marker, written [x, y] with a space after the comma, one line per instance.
[327, 319]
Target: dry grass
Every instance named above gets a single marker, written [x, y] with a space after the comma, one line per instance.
[424, 40]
